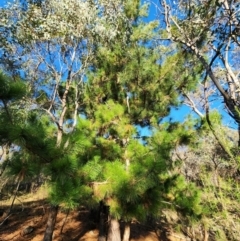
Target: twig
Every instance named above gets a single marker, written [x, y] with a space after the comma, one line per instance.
[5, 219]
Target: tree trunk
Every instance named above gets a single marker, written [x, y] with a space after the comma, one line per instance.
[114, 233]
[51, 223]
[103, 219]
[15, 194]
[102, 230]
[206, 235]
[4, 157]
[126, 234]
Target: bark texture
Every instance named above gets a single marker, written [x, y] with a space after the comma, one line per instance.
[51, 223]
[114, 233]
[126, 233]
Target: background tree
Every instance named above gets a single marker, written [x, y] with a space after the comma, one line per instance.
[209, 31]
[207, 165]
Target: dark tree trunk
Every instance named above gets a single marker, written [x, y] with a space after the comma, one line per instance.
[51, 223]
[103, 221]
[102, 228]
[15, 194]
[114, 233]
[126, 233]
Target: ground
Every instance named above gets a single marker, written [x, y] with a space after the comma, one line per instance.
[28, 221]
[28, 218]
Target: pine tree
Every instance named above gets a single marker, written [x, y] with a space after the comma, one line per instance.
[11, 98]
[129, 86]
[36, 152]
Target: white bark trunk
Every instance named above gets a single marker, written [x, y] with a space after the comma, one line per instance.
[126, 234]
[114, 230]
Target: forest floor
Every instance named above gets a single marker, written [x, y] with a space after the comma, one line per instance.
[28, 218]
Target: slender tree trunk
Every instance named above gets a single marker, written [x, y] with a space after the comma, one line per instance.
[114, 233]
[52, 216]
[15, 194]
[102, 230]
[126, 233]
[103, 219]
[206, 234]
[4, 157]
[65, 219]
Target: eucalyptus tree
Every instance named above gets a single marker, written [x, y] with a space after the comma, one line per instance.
[209, 31]
[51, 43]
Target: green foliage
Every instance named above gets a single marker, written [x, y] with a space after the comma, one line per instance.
[23, 166]
[185, 195]
[11, 90]
[171, 135]
[92, 170]
[215, 118]
[108, 112]
[69, 193]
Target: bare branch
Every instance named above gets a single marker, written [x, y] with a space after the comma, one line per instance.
[191, 104]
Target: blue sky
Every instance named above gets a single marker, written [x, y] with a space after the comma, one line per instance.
[3, 2]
